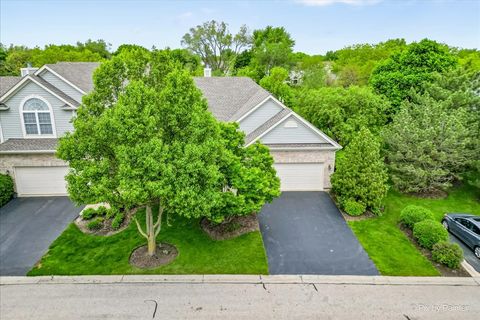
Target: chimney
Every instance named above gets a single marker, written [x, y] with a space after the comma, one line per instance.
[207, 72]
[28, 70]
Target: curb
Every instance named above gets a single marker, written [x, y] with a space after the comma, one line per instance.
[243, 279]
[468, 267]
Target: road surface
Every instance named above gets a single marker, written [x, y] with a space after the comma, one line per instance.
[243, 300]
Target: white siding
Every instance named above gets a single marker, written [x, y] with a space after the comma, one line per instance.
[62, 85]
[299, 134]
[258, 117]
[10, 119]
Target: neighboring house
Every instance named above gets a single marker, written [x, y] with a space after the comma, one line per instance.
[36, 109]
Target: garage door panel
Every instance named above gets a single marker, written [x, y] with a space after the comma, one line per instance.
[300, 176]
[32, 181]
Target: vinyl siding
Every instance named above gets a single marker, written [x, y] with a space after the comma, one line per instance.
[254, 120]
[300, 134]
[10, 119]
[62, 85]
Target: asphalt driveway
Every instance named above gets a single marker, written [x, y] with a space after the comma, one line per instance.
[468, 254]
[27, 228]
[304, 233]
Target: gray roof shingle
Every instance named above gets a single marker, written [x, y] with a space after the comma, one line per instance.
[28, 145]
[230, 97]
[6, 83]
[78, 73]
[57, 91]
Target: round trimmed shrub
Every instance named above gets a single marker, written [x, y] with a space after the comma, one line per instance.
[88, 214]
[412, 214]
[449, 254]
[429, 232]
[6, 188]
[354, 208]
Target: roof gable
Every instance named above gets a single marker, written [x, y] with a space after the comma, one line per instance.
[79, 75]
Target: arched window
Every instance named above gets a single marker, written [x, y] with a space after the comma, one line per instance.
[37, 117]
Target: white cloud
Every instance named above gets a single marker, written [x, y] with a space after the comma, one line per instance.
[323, 3]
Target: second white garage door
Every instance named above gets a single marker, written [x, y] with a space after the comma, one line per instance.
[40, 181]
[300, 176]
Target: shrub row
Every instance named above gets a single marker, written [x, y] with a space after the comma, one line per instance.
[432, 235]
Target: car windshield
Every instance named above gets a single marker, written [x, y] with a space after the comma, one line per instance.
[477, 219]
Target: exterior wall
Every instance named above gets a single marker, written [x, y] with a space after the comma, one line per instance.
[11, 121]
[300, 134]
[9, 161]
[62, 85]
[260, 116]
[327, 157]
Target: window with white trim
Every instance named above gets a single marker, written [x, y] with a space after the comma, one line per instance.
[37, 117]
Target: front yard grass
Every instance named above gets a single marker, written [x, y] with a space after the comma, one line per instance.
[75, 253]
[389, 248]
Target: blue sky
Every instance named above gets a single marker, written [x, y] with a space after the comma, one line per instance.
[316, 25]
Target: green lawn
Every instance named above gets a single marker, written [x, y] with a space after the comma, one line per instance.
[74, 253]
[390, 249]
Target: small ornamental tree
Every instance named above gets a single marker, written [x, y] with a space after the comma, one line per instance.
[156, 144]
[361, 175]
[248, 177]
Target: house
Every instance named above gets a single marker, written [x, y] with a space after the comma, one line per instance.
[36, 109]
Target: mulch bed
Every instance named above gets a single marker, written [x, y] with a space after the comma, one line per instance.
[444, 270]
[347, 217]
[434, 194]
[230, 229]
[106, 229]
[165, 254]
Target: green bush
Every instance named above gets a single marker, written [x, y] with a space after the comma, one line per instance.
[95, 224]
[117, 220]
[88, 214]
[412, 214]
[429, 232]
[354, 208]
[6, 188]
[449, 254]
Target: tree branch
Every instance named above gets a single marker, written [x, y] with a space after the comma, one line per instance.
[158, 225]
[140, 228]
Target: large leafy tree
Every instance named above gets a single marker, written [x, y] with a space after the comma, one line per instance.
[17, 57]
[276, 83]
[411, 68]
[428, 144]
[216, 45]
[341, 113]
[248, 177]
[272, 47]
[361, 177]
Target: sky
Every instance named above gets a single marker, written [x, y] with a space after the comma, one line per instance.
[316, 25]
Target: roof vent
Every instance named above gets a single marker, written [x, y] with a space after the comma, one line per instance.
[28, 70]
[207, 72]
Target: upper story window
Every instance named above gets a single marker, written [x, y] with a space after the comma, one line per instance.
[37, 118]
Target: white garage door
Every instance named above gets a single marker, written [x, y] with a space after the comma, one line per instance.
[300, 176]
[40, 181]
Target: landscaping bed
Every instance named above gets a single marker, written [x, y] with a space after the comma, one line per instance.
[105, 229]
[444, 271]
[235, 227]
[390, 248]
[76, 253]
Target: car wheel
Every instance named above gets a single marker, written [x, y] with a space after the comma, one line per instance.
[445, 224]
[477, 252]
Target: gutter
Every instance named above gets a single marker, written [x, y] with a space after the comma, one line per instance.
[26, 151]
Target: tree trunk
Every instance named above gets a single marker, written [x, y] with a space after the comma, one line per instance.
[152, 245]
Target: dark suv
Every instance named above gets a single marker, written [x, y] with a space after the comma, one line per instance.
[466, 227]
